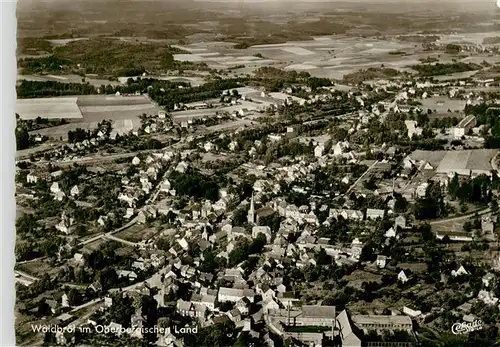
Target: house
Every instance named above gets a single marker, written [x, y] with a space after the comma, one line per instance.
[487, 224]
[314, 315]
[95, 287]
[243, 306]
[268, 295]
[374, 213]
[488, 279]
[31, 178]
[346, 331]
[411, 313]
[78, 257]
[234, 315]
[381, 261]
[136, 161]
[131, 275]
[52, 304]
[142, 217]
[402, 277]
[54, 188]
[487, 297]
[59, 196]
[235, 295]
[340, 148]
[209, 146]
[390, 233]
[64, 300]
[129, 213]
[270, 306]
[464, 126]
[208, 300]
[287, 299]
[318, 151]
[400, 222]
[189, 309]
[108, 301]
[379, 322]
[74, 191]
[412, 128]
[460, 272]
[65, 223]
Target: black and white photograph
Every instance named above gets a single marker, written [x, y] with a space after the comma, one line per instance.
[247, 173]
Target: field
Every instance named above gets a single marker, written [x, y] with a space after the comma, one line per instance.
[124, 111]
[36, 268]
[442, 104]
[50, 108]
[462, 162]
[320, 56]
[136, 233]
[93, 80]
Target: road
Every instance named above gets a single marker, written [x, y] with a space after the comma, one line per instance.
[30, 261]
[459, 218]
[360, 178]
[110, 233]
[87, 304]
[25, 275]
[117, 239]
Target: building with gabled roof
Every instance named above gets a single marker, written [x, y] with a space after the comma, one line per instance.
[347, 331]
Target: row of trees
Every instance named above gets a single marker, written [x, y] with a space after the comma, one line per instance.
[37, 89]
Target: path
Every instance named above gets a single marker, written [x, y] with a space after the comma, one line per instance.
[459, 218]
[360, 178]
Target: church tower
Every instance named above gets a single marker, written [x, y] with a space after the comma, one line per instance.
[251, 212]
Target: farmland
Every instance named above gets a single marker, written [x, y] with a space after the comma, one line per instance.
[86, 111]
[51, 108]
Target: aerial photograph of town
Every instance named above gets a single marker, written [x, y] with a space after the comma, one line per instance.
[244, 173]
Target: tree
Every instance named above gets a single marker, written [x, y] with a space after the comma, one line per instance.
[432, 205]
[218, 335]
[453, 187]
[121, 310]
[239, 217]
[368, 252]
[73, 297]
[22, 138]
[322, 258]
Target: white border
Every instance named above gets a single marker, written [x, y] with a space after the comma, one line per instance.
[7, 170]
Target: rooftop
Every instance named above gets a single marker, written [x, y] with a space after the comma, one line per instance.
[375, 319]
